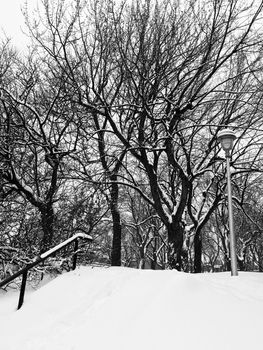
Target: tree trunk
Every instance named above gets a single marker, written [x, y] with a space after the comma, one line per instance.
[197, 253]
[47, 221]
[175, 245]
[227, 262]
[241, 263]
[142, 263]
[154, 259]
[260, 265]
[116, 240]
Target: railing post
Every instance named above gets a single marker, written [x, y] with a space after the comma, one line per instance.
[22, 290]
[75, 254]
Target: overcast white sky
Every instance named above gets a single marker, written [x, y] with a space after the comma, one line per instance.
[12, 20]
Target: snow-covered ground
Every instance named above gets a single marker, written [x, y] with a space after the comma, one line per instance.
[124, 309]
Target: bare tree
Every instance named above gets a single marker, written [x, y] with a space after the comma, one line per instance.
[39, 128]
[160, 81]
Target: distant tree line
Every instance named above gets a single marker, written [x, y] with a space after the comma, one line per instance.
[109, 124]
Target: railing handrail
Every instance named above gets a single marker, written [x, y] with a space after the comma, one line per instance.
[43, 257]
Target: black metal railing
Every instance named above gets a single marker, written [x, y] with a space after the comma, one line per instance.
[42, 258]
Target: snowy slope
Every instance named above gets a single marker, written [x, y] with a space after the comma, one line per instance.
[121, 308]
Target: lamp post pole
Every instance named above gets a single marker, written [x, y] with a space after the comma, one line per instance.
[233, 255]
[227, 137]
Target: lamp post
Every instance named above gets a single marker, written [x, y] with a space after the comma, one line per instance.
[226, 138]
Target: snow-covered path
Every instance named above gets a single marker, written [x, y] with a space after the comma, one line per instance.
[121, 308]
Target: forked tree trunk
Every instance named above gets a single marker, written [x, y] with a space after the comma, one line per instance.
[175, 245]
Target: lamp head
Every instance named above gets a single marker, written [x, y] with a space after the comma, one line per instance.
[226, 138]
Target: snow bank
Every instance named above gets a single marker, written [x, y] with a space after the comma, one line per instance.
[121, 308]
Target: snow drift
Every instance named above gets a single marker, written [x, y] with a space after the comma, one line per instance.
[122, 308]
